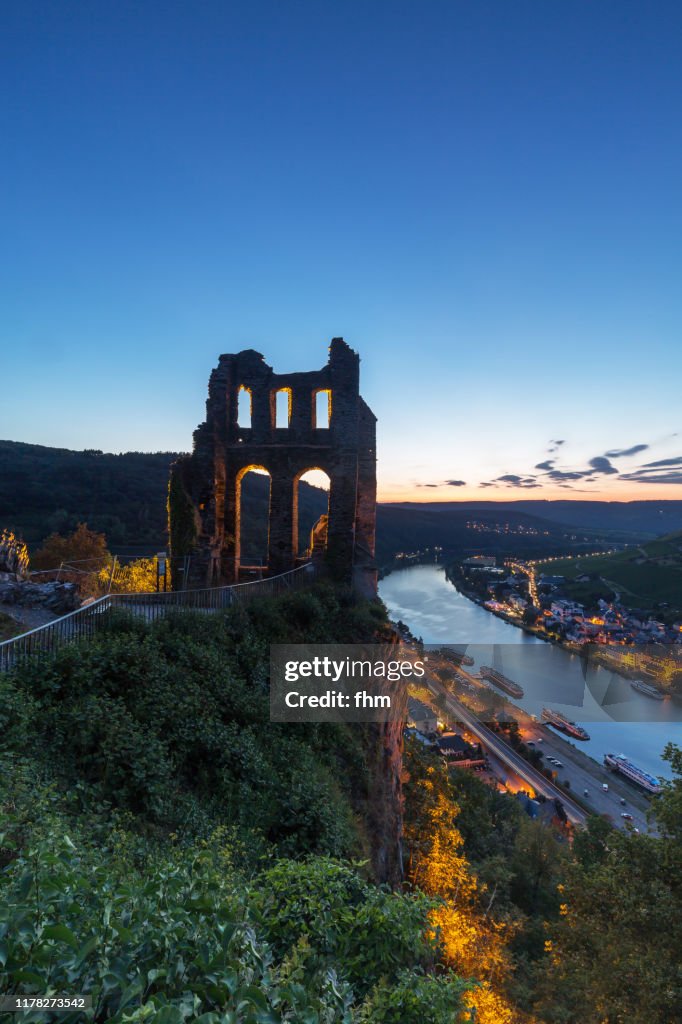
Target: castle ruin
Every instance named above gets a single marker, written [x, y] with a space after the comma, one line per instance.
[205, 506]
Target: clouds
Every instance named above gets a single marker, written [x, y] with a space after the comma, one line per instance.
[599, 475]
[600, 464]
[512, 480]
[658, 472]
[561, 474]
[656, 478]
[621, 453]
[446, 483]
[663, 462]
[558, 473]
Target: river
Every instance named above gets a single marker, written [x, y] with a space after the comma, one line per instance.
[618, 719]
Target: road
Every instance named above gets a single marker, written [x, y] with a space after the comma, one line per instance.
[580, 771]
[575, 814]
[583, 773]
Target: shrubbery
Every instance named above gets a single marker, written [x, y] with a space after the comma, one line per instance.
[171, 932]
[149, 813]
[170, 722]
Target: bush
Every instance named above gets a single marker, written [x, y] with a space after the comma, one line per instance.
[375, 933]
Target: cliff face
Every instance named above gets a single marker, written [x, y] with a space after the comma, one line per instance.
[385, 800]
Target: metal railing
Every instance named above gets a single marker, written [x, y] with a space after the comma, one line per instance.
[85, 622]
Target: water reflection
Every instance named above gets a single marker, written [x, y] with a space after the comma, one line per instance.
[616, 716]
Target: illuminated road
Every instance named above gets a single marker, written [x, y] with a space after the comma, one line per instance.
[529, 571]
[575, 814]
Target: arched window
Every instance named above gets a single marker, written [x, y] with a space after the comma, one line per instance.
[253, 518]
[322, 409]
[311, 512]
[244, 404]
[282, 409]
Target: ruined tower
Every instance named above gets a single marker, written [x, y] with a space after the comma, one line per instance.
[205, 487]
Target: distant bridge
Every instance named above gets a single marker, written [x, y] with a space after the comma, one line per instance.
[87, 621]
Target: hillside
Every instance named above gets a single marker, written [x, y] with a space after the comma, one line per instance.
[44, 489]
[462, 529]
[168, 850]
[646, 519]
[647, 575]
[172, 853]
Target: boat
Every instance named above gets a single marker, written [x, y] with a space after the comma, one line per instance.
[620, 763]
[456, 657]
[560, 721]
[647, 689]
[508, 685]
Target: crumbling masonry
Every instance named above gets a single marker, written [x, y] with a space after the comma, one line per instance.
[204, 495]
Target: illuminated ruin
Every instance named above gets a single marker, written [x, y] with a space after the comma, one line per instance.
[283, 425]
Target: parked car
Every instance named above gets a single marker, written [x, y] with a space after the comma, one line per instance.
[628, 817]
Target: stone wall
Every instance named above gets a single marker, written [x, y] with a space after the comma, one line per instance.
[205, 486]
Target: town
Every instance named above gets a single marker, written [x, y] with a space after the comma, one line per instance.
[525, 595]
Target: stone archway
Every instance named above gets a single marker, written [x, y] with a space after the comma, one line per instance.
[252, 519]
[280, 430]
[311, 523]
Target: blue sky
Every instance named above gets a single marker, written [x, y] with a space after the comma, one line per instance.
[482, 198]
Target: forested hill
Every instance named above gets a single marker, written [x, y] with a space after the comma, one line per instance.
[45, 490]
[645, 518]
[50, 490]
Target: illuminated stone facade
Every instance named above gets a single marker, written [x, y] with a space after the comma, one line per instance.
[205, 486]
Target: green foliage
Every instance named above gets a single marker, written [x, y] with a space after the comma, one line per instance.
[616, 951]
[45, 490]
[174, 933]
[646, 575]
[375, 933]
[669, 807]
[182, 527]
[136, 577]
[165, 945]
[616, 948]
[170, 722]
[144, 797]
[416, 999]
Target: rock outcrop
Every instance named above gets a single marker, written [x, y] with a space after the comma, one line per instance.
[13, 555]
[58, 598]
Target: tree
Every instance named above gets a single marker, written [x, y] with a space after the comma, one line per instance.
[138, 577]
[614, 952]
[83, 546]
[474, 944]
